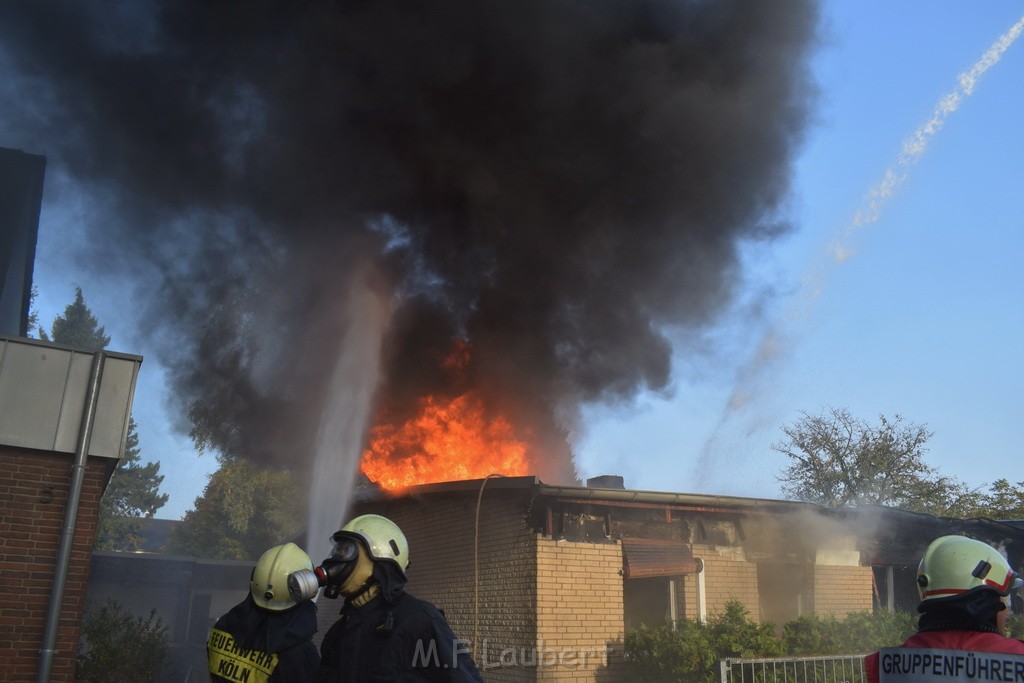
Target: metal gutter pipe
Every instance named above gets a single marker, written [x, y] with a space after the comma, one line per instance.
[702, 592]
[666, 498]
[67, 537]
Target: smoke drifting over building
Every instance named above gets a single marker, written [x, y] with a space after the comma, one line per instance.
[552, 182]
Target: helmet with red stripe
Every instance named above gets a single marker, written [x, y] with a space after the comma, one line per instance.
[955, 565]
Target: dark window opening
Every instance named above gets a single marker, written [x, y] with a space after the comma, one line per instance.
[781, 591]
[646, 601]
[894, 587]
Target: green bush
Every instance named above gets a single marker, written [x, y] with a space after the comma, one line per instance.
[735, 634]
[661, 654]
[1015, 626]
[859, 632]
[812, 635]
[119, 648]
[691, 652]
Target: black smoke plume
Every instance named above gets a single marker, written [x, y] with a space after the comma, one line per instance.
[556, 182]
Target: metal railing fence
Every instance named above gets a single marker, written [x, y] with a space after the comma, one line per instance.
[845, 669]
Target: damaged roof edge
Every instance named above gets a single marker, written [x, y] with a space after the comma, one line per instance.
[605, 495]
[1014, 527]
[598, 495]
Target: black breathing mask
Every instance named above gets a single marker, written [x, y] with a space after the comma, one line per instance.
[330, 575]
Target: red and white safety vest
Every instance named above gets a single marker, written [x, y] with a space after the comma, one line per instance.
[949, 657]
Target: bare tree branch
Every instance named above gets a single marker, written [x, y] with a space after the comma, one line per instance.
[839, 460]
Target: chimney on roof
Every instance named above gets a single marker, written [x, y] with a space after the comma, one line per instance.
[606, 481]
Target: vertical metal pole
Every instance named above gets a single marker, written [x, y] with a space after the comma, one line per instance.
[890, 592]
[476, 562]
[702, 604]
[673, 613]
[67, 535]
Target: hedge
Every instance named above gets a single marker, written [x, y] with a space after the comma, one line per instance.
[689, 653]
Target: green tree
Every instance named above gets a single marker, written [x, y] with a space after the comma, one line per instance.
[838, 460]
[243, 511]
[77, 326]
[133, 490]
[1003, 501]
[119, 648]
[33, 314]
[133, 493]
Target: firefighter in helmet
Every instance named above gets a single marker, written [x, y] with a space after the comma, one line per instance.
[965, 587]
[383, 634]
[267, 636]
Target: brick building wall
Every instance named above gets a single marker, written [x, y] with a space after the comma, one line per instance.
[579, 610]
[725, 578]
[839, 590]
[440, 531]
[33, 494]
[543, 598]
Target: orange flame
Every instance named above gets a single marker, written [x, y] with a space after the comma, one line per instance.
[445, 442]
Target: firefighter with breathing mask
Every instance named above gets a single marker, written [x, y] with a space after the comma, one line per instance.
[383, 634]
[965, 587]
[267, 636]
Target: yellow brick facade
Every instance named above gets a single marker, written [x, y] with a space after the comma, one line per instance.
[551, 609]
[441, 538]
[579, 610]
[840, 590]
[725, 578]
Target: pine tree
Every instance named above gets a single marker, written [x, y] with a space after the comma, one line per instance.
[33, 314]
[133, 491]
[78, 326]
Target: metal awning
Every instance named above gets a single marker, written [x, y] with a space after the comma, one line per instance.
[647, 557]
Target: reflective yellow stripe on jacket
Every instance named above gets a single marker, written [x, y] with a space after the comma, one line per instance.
[229, 661]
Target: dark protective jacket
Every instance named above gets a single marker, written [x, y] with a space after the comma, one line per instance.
[970, 641]
[253, 644]
[405, 640]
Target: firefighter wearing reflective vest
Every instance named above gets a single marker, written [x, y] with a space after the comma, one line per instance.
[267, 636]
[384, 634]
[965, 588]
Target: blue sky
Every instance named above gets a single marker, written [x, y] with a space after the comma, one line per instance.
[924, 319]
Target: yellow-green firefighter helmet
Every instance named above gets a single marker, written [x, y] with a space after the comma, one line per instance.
[955, 565]
[382, 538]
[269, 582]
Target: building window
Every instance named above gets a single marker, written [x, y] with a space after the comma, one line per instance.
[781, 591]
[647, 601]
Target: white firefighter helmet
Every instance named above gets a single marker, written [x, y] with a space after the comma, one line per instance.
[269, 582]
[382, 538]
[955, 565]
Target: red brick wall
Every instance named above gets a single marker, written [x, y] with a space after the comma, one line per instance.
[33, 493]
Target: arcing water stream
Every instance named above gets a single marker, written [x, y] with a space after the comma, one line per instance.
[346, 412]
